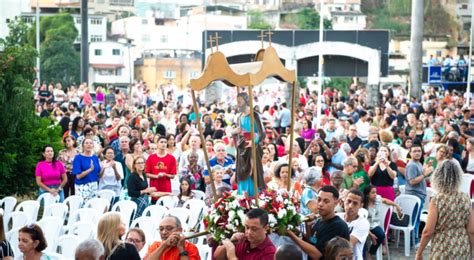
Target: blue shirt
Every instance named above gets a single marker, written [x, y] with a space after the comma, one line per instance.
[228, 162]
[307, 195]
[82, 163]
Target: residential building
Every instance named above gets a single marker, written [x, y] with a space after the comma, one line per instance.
[344, 14]
[112, 9]
[110, 63]
[150, 33]
[15, 8]
[97, 25]
[161, 69]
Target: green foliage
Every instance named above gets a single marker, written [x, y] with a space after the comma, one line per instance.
[23, 133]
[308, 19]
[60, 62]
[54, 27]
[19, 37]
[257, 21]
[341, 84]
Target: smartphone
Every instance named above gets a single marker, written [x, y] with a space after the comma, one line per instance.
[316, 136]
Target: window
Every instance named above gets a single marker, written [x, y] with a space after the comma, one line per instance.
[78, 20]
[164, 39]
[115, 52]
[96, 38]
[98, 52]
[464, 7]
[96, 21]
[193, 74]
[169, 74]
[145, 37]
[28, 19]
[106, 72]
[118, 72]
[438, 53]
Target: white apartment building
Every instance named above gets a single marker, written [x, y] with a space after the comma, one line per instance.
[186, 33]
[9, 9]
[345, 14]
[97, 25]
[110, 63]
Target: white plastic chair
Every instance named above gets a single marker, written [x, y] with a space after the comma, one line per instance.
[156, 212]
[127, 210]
[424, 212]
[182, 214]
[466, 184]
[408, 203]
[385, 215]
[101, 205]
[12, 237]
[74, 203]
[58, 210]
[168, 201]
[67, 245]
[46, 198]
[83, 229]
[86, 214]
[175, 186]
[149, 226]
[30, 207]
[205, 252]
[197, 208]
[51, 227]
[7, 204]
[198, 194]
[19, 219]
[106, 194]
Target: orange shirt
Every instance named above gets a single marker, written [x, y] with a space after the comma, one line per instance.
[173, 253]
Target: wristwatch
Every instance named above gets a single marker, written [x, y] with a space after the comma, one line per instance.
[184, 253]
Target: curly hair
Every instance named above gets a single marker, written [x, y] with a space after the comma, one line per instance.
[447, 176]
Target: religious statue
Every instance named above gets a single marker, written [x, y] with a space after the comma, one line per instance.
[243, 142]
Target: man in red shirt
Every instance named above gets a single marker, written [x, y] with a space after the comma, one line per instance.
[254, 244]
[160, 168]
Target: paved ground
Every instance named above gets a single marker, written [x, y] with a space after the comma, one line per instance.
[399, 253]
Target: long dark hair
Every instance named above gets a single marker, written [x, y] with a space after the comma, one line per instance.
[184, 193]
[54, 155]
[75, 123]
[367, 190]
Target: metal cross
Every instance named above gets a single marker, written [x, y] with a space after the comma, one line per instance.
[217, 40]
[262, 36]
[211, 40]
[269, 34]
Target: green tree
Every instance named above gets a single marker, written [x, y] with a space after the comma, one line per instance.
[60, 62]
[308, 19]
[257, 21]
[23, 133]
[54, 27]
[19, 37]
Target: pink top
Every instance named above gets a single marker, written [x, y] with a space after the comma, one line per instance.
[50, 175]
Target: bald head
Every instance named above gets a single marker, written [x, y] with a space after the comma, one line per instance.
[288, 251]
[90, 249]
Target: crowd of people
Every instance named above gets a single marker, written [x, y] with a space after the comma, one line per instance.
[352, 157]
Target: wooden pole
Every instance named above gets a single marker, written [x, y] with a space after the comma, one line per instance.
[206, 157]
[254, 150]
[290, 154]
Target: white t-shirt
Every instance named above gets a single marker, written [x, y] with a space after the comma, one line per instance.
[359, 228]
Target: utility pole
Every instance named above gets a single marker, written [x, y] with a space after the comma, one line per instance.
[38, 61]
[84, 42]
[469, 62]
[416, 38]
[320, 66]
